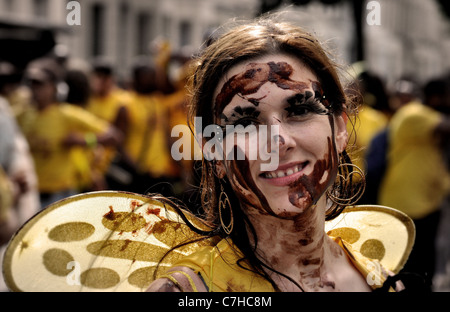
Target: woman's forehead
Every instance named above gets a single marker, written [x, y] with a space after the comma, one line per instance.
[299, 68]
[246, 78]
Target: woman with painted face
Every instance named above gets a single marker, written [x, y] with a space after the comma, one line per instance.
[271, 222]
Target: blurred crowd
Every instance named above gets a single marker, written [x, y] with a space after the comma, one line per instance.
[402, 143]
[66, 129]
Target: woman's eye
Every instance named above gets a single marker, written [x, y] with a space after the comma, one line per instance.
[298, 111]
[245, 122]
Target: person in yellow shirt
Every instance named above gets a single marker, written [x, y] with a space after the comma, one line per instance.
[417, 179]
[148, 139]
[107, 100]
[110, 102]
[78, 92]
[56, 131]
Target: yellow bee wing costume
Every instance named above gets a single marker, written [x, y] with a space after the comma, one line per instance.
[377, 232]
[113, 241]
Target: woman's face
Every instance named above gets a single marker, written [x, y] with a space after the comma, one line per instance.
[279, 92]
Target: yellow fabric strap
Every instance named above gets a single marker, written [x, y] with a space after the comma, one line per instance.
[176, 282]
[211, 271]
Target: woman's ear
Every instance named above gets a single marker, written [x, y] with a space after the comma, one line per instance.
[341, 132]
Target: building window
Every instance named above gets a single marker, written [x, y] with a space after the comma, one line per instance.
[185, 33]
[40, 8]
[8, 5]
[98, 16]
[166, 23]
[143, 33]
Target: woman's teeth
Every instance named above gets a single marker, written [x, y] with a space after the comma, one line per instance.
[282, 173]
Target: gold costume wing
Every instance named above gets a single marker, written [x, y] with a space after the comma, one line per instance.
[112, 241]
[377, 232]
[99, 241]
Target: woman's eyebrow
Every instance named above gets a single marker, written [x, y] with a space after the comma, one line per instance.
[298, 98]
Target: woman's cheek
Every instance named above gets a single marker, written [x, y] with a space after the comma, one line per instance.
[308, 189]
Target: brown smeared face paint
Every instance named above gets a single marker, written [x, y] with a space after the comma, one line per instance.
[255, 75]
[308, 188]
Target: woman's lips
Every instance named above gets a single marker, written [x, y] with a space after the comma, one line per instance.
[285, 174]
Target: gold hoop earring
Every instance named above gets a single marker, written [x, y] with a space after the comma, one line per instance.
[224, 203]
[349, 186]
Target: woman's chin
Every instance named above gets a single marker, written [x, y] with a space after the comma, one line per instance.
[289, 211]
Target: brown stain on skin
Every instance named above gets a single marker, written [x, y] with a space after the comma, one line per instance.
[232, 286]
[256, 75]
[328, 284]
[308, 189]
[309, 261]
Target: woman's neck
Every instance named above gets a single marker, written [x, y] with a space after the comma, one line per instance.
[297, 247]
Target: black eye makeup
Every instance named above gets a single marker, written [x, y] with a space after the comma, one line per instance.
[244, 116]
[301, 104]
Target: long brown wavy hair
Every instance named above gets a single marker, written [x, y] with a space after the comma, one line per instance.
[262, 37]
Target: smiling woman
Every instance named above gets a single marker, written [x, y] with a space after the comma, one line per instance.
[271, 223]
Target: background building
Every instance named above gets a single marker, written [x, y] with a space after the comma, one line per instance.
[413, 38]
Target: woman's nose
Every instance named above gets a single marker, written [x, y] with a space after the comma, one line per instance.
[283, 138]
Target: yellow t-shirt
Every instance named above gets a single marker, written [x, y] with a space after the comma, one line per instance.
[147, 142]
[219, 269]
[416, 179]
[176, 104]
[58, 167]
[108, 106]
[107, 109]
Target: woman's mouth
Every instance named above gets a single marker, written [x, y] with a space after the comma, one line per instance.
[284, 174]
